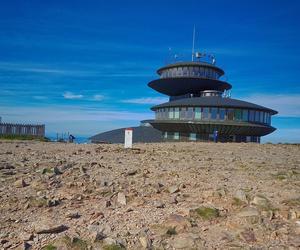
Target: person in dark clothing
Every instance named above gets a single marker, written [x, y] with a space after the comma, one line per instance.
[71, 138]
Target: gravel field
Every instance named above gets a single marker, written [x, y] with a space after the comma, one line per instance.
[154, 196]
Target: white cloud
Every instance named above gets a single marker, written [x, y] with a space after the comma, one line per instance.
[68, 114]
[98, 97]
[287, 105]
[146, 100]
[75, 119]
[33, 68]
[70, 95]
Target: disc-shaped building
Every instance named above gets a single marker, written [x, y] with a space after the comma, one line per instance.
[200, 110]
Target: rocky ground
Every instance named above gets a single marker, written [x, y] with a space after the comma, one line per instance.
[156, 196]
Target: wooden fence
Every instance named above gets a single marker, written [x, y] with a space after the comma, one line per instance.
[22, 129]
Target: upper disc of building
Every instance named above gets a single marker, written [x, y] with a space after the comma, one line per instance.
[189, 78]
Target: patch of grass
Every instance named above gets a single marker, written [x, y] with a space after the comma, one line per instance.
[49, 247]
[171, 231]
[76, 243]
[47, 171]
[37, 202]
[79, 244]
[206, 213]
[112, 247]
[237, 202]
[23, 137]
[106, 193]
[281, 177]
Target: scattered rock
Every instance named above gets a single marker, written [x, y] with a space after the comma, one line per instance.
[52, 230]
[121, 199]
[93, 163]
[53, 202]
[7, 245]
[102, 230]
[260, 201]
[8, 172]
[178, 222]
[185, 241]
[173, 189]
[56, 171]
[249, 215]
[75, 215]
[97, 215]
[107, 203]
[26, 246]
[145, 242]
[248, 212]
[173, 199]
[131, 172]
[3, 241]
[20, 183]
[26, 236]
[248, 236]
[221, 192]
[114, 198]
[130, 209]
[240, 195]
[66, 166]
[97, 236]
[6, 166]
[158, 204]
[111, 242]
[83, 169]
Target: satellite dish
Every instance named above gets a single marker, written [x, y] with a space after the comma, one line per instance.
[214, 61]
[198, 55]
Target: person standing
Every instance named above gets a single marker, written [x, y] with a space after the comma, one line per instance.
[71, 138]
[215, 135]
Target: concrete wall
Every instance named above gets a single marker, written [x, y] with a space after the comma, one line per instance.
[22, 129]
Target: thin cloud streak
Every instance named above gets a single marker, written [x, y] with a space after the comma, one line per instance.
[24, 67]
[146, 100]
[72, 96]
[67, 114]
[129, 69]
[98, 97]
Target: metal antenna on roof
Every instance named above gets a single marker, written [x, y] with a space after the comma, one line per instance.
[193, 48]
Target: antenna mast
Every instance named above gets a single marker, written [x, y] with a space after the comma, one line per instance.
[193, 48]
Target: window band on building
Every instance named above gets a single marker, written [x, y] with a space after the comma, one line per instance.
[212, 113]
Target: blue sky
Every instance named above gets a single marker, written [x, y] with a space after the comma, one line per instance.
[83, 66]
